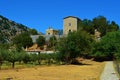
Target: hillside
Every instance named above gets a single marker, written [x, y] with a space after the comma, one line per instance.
[8, 29]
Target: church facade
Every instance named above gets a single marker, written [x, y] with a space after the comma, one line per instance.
[51, 31]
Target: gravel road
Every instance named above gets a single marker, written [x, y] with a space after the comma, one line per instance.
[109, 72]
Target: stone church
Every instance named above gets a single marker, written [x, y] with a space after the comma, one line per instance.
[70, 24]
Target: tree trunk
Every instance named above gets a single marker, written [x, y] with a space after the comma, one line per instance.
[1, 64]
[39, 61]
[68, 60]
[39, 58]
[13, 64]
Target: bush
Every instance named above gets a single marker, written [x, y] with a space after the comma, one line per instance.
[108, 47]
[26, 58]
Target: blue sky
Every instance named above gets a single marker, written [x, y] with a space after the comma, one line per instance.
[40, 14]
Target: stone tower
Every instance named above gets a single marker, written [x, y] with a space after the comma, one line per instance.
[70, 24]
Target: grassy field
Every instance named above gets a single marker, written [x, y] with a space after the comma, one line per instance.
[90, 71]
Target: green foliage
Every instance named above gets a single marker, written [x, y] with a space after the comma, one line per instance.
[21, 55]
[52, 42]
[74, 45]
[5, 46]
[34, 57]
[12, 57]
[3, 54]
[22, 40]
[33, 32]
[26, 58]
[108, 47]
[87, 25]
[53, 58]
[113, 27]
[100, 23]
[40, 41]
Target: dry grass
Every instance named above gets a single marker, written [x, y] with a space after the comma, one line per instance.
[90, 71]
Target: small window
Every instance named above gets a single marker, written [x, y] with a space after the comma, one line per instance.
[69, 24]
[70, 31]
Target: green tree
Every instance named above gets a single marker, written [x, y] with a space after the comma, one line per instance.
[101, 24]
[22, 40]
[21, 56]
[12, 56]
[26, 58]
[49, 58]
[33, 32]
[3, 55]
[113, 27]
[87, 25]
[33, 57]
[1, 59]
[40, 41]
[76, 44]
[38, 57]
[3, 52]
[108, 47]
[5, 46]
[52, 42]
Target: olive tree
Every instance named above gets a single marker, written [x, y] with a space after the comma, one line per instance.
[40, 41]
[76, 44]
[22, 40]
[3, 55]
[12, 57]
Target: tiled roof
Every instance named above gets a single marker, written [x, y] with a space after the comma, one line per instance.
[72, 17]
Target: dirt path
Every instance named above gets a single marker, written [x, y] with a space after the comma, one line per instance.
[109, 72]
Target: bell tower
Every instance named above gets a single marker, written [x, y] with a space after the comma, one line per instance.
[70, 24]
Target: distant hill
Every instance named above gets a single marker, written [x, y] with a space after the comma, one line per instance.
[8, 29]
